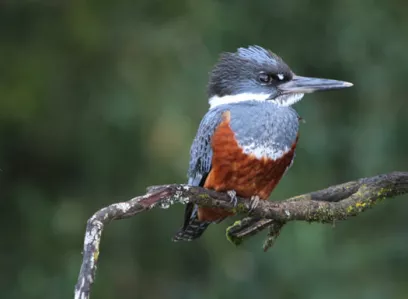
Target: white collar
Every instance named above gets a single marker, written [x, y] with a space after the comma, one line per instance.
[236, 98]
[282, 100]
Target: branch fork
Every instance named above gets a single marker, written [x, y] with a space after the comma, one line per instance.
[325, 206]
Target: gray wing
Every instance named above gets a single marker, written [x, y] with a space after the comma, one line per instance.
[201, 151]
[200, 158]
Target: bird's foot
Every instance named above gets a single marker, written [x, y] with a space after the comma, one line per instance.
[233, 195]
[254, 203]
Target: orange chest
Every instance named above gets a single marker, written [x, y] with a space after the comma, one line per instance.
[232, 169]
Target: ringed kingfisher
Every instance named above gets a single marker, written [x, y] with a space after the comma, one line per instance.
[246, 141]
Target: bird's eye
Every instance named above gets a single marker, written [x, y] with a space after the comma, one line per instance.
[265, 78]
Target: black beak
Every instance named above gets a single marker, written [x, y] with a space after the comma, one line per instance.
[300, 84]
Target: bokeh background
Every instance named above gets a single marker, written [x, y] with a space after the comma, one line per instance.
[100, 99]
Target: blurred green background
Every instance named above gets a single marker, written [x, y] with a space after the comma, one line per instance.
[100, 99]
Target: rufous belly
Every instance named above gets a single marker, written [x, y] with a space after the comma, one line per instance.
[232, 169]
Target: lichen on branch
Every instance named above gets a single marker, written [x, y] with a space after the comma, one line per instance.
[325, 206]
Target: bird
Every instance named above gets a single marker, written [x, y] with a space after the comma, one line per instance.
[246, 141]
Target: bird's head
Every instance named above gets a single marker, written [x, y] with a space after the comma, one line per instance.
[254, 73]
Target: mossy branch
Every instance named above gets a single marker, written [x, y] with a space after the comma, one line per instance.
[326, 206]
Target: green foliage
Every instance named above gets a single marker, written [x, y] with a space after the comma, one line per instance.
[100, 99]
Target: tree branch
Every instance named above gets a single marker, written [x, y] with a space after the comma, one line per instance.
[326, 206]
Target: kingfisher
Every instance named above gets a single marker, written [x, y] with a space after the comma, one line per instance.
[246, 141]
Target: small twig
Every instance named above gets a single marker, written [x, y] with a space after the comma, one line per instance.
[273, 233]
[325, 206]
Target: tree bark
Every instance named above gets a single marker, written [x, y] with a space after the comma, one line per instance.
[325, 206]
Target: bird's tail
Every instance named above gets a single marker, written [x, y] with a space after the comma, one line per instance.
[192, 231]
[192, 228]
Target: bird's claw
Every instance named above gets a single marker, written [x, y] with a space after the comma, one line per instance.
[254, 201]
[233, 195]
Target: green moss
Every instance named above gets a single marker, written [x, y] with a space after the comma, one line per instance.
[96, 255]
[382, 193]
[239, 208]
[366, 203]
[204, 196]
[359, 206]
[232, 239]
[323, 214]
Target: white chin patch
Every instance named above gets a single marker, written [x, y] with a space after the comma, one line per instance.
[236, 98]
[288, 99]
